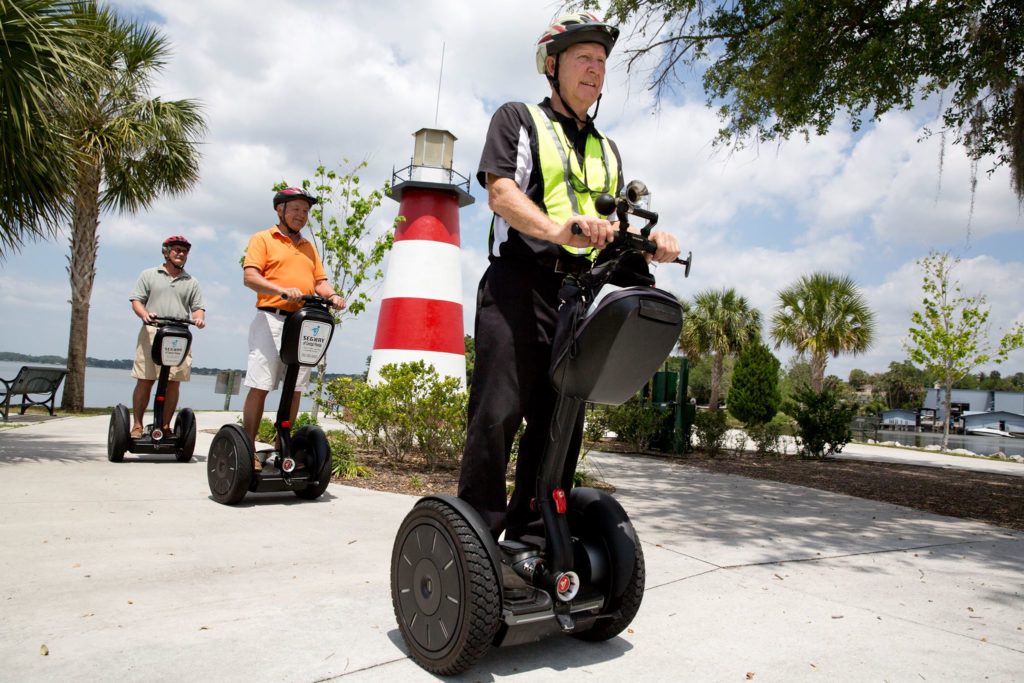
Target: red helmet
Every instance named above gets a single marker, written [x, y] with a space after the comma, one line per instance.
[289, 193]
[570, 29]
[176, 239]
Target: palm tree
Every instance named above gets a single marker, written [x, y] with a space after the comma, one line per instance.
[823, 314]
[42, 45]
[720, 323]
[131, 149]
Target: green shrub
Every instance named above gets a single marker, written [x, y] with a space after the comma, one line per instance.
[304, 420]
[710, 427]
[266, 433]
[823, 421]
[344, 463]
[411, 409]
[636, 422]
[767, 437]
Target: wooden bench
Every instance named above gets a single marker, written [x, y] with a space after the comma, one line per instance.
[32, 381]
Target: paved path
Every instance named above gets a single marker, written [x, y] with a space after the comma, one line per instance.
[131, 572]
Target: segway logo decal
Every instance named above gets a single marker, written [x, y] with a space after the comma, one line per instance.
[313, 340]
[172, 351]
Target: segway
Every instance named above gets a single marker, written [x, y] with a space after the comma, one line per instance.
[579, 570]
[302, 463]
[170, 347]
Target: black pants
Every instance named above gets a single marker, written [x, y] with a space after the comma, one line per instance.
[515, 322]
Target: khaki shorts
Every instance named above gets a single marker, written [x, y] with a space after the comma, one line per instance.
[265, 369]
[145, 368]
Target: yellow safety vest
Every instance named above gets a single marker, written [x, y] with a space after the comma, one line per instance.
[559, 165]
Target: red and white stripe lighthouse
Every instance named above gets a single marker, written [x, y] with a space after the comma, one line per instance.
[421, 308]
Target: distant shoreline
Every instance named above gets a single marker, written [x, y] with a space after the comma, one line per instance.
[122, 364]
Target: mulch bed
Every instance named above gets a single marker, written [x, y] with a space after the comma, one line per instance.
[993, 498]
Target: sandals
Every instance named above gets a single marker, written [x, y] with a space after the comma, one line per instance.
[136, 433]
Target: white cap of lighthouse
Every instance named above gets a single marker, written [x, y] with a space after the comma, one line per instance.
[421, 308]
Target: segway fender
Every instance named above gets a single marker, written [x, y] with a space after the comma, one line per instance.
[600, 515]
[482, 531]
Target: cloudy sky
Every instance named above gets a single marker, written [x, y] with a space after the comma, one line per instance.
[286, 86]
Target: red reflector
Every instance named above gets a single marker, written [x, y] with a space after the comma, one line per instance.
[559, 496]
[563, 583]
[287, 424]
[159, 399]
[533, 505]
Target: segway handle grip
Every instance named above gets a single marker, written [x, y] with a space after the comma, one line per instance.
[157, 319]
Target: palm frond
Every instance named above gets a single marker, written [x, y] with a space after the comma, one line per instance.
[42, 47]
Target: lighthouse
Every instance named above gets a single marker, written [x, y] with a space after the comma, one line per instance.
[421, 307]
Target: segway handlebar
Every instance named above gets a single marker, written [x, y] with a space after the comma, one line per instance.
[159, 320]
[309, 299]
[625, 205]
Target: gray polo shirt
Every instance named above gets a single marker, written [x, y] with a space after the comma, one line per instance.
[165, 296]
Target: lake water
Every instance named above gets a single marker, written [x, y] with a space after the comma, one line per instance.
[982, 445]
[106, 387]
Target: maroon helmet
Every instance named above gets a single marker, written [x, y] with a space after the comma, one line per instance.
[289, 193]
[180, 240]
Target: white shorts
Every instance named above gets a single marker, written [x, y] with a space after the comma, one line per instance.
[265, 369]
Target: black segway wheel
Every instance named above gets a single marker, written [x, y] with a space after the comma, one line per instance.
[600, 523]
[311, 448]
[185, 435]
[229, 465]
[622, 609]
[119, 434]
[444, 589]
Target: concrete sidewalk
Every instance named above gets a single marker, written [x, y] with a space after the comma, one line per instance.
[131, 572]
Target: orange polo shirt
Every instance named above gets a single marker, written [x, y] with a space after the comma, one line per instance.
[285, 264]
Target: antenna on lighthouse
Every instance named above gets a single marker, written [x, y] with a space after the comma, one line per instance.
[440, 73]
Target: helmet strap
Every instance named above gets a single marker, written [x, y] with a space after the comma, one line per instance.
[556, 86]
[284, 222]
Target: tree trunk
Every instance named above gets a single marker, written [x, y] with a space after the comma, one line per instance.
[318, 388]
[947, 402]
[82, 273]
[817, 371]
[716, 380]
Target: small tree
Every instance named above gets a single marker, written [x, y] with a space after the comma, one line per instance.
[823, 421]
[951, 336]
[754, 397]
[352, 255]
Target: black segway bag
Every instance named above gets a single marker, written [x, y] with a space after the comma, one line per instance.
[307, 334]
[605, 354]
[170, 345]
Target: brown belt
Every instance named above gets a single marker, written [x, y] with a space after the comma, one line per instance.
[272, 309]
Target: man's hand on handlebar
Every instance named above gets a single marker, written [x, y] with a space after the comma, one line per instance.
[588, 231]
[291, 293]
[668, 247]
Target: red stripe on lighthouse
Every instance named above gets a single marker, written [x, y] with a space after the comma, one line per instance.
[429, 215]
[420, 324]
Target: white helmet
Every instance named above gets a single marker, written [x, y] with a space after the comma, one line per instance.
[570, 29]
